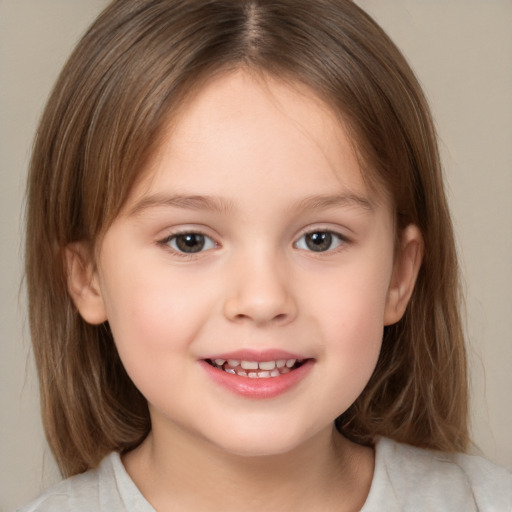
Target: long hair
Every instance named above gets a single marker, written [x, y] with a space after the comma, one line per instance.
[126, 78]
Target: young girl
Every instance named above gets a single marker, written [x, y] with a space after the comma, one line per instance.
[241, 269]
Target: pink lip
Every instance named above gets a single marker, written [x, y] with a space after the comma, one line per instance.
[258, 388]
[257, 355]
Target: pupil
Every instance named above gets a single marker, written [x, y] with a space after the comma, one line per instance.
[319, 242]
[191, 242]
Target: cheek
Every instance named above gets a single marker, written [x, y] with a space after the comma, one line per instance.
[140, 315]
[149, 301]
[352, 301]
[155, 315]
[352, 348]
[350, 320]
[354, 340]
[146, 325]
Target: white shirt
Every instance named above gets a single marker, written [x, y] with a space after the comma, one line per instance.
[405, 479]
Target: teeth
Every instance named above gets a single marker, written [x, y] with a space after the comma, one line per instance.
[249, 365]
[264, 365]
[266, 368]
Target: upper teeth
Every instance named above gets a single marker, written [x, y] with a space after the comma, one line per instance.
[255, 365]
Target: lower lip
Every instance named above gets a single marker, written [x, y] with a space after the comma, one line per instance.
[259, 388]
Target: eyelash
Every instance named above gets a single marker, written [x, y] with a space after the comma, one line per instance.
[327, 237]
[172, 239]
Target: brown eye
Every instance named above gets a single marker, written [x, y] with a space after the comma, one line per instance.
[190, 243]
[319, 241]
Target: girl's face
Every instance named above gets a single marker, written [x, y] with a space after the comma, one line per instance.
[250, 274]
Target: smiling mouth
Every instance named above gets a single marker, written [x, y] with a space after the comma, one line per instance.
[255, 369]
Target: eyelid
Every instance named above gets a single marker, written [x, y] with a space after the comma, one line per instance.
[165, 242]
[342, 238]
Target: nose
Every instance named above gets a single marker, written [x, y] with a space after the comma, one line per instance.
[260, 291]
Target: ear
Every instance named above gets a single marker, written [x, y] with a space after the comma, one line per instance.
[405, 271]
[83, 283]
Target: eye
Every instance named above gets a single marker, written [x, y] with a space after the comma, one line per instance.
[189, 243]
[319, 241]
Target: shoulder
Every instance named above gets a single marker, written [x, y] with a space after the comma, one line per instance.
[106, 488]
[75, 493]
[418, 479]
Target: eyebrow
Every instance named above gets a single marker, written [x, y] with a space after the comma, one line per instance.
[324, 202]
[194, 202]
[223, 206]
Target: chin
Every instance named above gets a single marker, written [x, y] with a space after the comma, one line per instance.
[267, 441]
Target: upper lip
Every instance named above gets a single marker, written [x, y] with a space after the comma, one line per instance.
[257, 355]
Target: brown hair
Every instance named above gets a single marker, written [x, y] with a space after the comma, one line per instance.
[127, 76]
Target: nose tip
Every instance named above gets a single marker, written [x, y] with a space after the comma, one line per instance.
[261, 297]
[260, 313]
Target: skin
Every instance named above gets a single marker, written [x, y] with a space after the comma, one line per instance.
[274, 164]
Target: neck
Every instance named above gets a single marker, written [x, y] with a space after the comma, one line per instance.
[326, 473]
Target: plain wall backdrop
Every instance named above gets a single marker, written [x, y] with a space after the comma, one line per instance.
[461, 51]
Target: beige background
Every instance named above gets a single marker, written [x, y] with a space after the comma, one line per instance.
[462, 53]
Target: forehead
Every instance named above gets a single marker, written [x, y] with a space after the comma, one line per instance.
[247, 127]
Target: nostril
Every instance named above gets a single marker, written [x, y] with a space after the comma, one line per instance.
[277, 319]
[259, 300]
